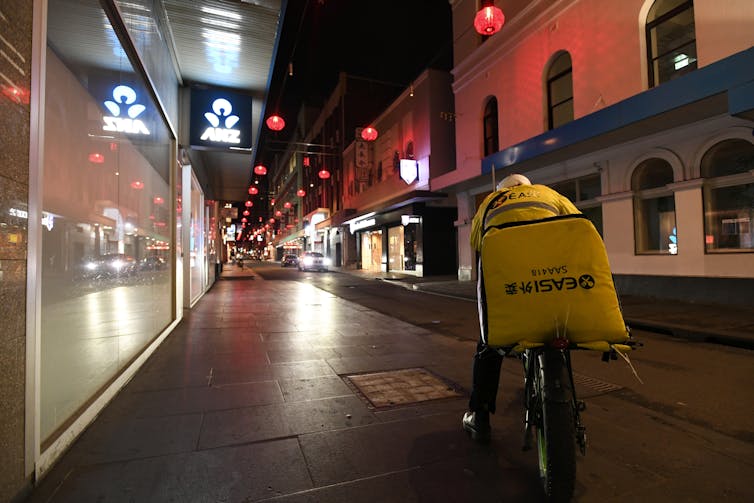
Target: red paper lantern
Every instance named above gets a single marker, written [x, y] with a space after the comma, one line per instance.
[300, 192]
[287, 205]
[96, 158]
[249, 204]
[272, 220]
[323, 174]
[278, 213]
[253, 190]
[244, 220]
[246, 213]
[137, 184]
[307, 161]
[275, 122]
[158, 200]
[369, 133]
[489, 19]
[260, 170]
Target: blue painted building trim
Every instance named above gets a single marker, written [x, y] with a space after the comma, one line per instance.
[733, 75]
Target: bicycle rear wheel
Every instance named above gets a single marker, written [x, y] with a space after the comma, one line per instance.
[556, 429]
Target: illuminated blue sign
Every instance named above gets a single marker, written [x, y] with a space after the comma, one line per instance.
[124, 112]
[220, 119]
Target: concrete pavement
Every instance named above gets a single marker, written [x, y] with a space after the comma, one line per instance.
[279, 391]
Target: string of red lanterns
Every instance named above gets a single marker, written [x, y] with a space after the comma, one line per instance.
[260, 170]
[489, 20]
[253, 190]
[323, 174]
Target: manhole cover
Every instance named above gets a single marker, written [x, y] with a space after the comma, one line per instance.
[401, 387]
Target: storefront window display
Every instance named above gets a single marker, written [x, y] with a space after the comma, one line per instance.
[107, 253]
[371, 251]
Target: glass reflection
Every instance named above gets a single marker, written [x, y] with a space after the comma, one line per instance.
[106, 274]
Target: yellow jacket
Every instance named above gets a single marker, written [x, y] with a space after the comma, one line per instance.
[521, 203]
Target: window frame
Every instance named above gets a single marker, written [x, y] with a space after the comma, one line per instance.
[490, 128]
[652, 193]
[651, 25]
[549, 81]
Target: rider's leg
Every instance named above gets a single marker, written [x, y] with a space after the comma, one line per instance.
[485, 379]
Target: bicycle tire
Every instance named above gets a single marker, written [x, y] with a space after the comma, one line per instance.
[556, 431]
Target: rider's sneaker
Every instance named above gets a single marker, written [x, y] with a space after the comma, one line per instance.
[477, 424]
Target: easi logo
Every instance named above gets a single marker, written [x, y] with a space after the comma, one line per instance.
[222, 110]
[585, 281]
[124, 98]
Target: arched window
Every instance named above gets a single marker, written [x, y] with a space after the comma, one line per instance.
[671, 40]
[654, 208]
[560, 91]
[491, 144]
[728, 196]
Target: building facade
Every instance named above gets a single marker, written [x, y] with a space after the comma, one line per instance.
[107, 232]
[640, 111]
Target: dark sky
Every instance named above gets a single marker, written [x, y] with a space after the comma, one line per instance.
[388, 40]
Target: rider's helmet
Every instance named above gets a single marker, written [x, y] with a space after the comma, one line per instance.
[512, 181]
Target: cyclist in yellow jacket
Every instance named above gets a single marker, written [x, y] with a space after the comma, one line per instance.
[515, 200]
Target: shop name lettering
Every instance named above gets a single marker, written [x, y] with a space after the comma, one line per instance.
[122, 125]
[222, 135]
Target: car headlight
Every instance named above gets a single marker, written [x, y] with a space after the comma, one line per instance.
[117, 264]
[91, 266]
[326, 261]
[308, 261]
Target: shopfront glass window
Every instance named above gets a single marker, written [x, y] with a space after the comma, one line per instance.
[395, 248]
[728, 196]
[196, 240]
[106, 242]
[654, 208]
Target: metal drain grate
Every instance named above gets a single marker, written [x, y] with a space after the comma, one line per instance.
[402, 387]
[594, 383]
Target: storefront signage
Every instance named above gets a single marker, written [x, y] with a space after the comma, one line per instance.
[409, 170]
[220, 119]
[230, 232]
[410, 219]
[124, 112]
[361, 224]
[48, 220]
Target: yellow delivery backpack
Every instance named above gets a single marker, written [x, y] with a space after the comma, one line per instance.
[548, 278]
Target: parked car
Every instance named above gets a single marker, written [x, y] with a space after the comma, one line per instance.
[313, 261]
[289, 259]
[152, 263]
[112, 265]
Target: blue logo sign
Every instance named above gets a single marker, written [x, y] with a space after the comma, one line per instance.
[125, 112]
[220, 119]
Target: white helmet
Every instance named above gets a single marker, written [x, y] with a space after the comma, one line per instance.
[512, 181]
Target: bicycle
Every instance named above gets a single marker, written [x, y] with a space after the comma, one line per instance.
[552, 410]
[542, 280]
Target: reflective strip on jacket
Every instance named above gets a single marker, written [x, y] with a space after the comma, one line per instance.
[521, 203]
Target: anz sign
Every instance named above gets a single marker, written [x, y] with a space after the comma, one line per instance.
[124, 113]
[220, 119]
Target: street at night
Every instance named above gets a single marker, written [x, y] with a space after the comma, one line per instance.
[256, 384]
